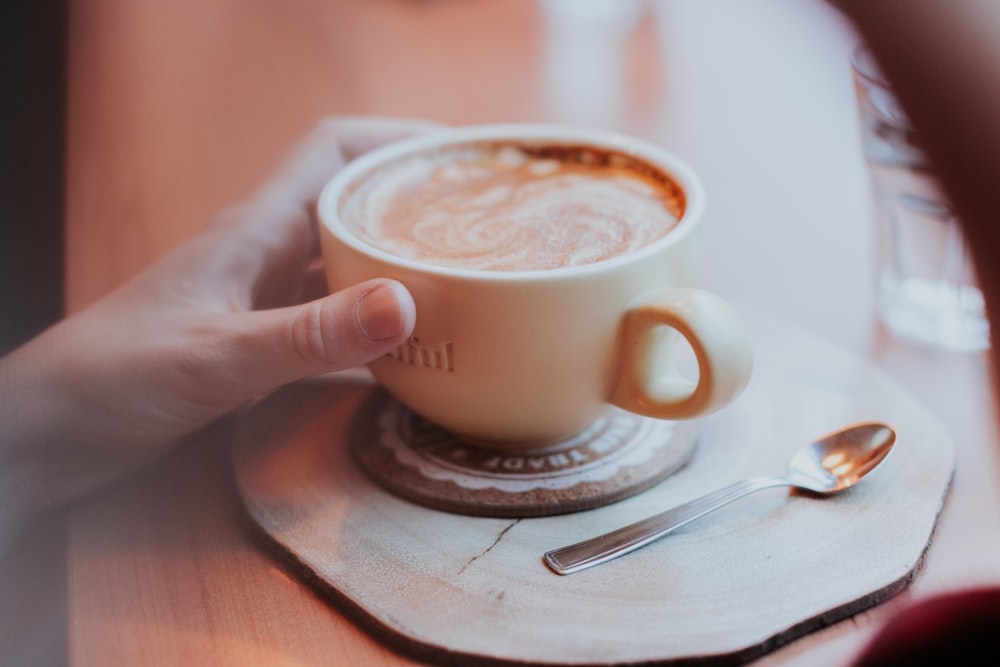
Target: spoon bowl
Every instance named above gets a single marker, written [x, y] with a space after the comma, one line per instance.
[841, 459]
[829, 465]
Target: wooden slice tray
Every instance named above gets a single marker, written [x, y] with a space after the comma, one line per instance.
[459, 589]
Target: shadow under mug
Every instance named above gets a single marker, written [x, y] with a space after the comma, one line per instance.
[518, 360]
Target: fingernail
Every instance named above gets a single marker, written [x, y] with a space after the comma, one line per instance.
[379, 314]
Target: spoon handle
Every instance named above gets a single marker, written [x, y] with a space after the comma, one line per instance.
[600, 549]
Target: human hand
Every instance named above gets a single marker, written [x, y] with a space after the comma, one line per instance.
[231, 315]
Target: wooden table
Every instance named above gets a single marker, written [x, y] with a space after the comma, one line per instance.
[179, 109]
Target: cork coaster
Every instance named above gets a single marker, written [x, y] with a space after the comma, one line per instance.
[618, 456]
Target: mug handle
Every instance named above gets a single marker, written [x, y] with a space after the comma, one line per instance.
[648, 382]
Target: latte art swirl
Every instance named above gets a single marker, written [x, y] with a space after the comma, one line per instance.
[508, 208]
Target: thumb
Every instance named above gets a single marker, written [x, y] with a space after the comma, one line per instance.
[340, 331]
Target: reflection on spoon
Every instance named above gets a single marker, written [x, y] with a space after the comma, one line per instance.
[831, 464]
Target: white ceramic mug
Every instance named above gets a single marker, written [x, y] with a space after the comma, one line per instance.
[521, 359]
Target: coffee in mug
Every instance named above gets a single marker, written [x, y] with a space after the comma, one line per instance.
[512, 206]
[552, 269]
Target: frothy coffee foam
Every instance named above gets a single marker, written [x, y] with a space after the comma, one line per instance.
[505, 207]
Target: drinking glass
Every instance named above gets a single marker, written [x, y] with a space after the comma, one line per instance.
[927, 288]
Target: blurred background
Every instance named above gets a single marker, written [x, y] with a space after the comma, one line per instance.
[32, 166]
[177, 110]
[129, 123]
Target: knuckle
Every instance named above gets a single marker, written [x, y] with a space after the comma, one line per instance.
[312, 331]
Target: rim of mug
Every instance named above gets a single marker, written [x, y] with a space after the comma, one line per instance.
[327, 207]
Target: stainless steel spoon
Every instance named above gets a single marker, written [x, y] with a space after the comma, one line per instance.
[831, 464]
